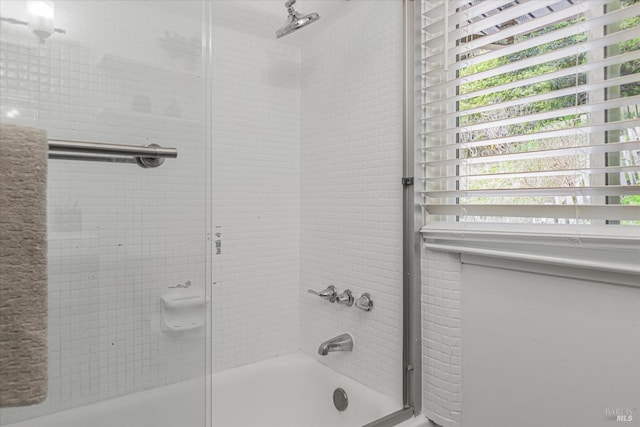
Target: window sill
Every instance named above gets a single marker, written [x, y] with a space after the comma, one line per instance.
[589, 253]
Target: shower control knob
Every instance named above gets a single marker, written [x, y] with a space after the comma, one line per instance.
[330, 294]
[346, 298]
[365, 302]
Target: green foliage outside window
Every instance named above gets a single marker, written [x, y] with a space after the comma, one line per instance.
[526, 108]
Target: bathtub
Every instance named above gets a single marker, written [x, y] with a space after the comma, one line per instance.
[289, 391]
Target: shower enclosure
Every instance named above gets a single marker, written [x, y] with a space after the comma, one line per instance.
[205, 173]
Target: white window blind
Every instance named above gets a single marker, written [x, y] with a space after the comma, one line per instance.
[531, 114]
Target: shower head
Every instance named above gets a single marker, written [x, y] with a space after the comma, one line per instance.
[295, 21]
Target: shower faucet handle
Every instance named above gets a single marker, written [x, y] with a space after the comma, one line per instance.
[365, 302]
[345, 298]
[330, 294]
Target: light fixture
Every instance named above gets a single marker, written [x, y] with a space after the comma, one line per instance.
[40, 19]
[41, 15]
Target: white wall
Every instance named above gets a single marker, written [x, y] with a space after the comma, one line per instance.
[539, 346]
[256, 191]
[119, 235]
[351, 235]
[544, 350]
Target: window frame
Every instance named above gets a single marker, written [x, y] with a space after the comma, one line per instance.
[610, 247]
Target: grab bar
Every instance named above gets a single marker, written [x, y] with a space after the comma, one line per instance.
[150, 156]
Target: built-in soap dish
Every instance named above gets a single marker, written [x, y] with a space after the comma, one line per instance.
[182, 312]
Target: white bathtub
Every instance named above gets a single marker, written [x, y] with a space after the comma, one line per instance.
[288, 391]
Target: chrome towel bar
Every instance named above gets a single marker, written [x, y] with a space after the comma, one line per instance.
[150, 156]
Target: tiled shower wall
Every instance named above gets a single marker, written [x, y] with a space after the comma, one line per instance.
[351, 232]
[307, 156]
[256, 192]
[119, 235]
[442, 337]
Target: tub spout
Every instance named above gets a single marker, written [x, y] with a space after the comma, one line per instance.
[342, 342]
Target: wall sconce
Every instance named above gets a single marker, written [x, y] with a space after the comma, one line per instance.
[41, 19]
[41, 15]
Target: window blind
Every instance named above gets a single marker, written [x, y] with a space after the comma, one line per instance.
[531, 113]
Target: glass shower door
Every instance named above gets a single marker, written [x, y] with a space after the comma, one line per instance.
[127, 245]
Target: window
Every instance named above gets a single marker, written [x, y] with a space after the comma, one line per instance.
[531, 115]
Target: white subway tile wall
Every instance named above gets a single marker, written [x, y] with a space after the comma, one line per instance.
[351, 231]
[441, 337]
[256, 189]
[119, 235]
